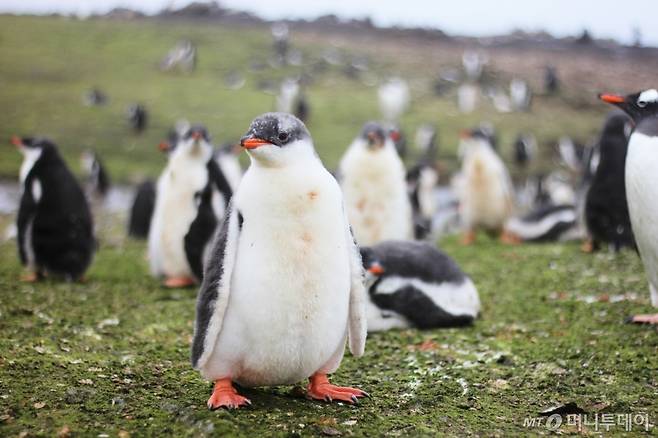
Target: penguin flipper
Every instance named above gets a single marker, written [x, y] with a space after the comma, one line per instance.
[357, 326]
[217, 177]
[26, 212]
[214, 292]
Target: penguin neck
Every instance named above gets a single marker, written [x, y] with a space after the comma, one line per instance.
[648, 126]
[294, 155]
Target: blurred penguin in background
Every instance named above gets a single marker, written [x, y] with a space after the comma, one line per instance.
[141, 210]
[98, 180]
[525, 148]
[372, 177]
[484, 188]
[606, 208]
[291, 99]
[399, 140]
[413, 284]
[473, 63]
[394, 99]
[137, 117]
[551, 80]
[227, 159]
[422, 179]
[55, 229]
[520, 95]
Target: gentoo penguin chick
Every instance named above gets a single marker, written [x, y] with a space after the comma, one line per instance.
[227, 159]
[525, 147]
[137, 117]
[394, 98]
[142, 210]
[485, 188]
[55, 230]
[641, 182]
[189, 171]
[606, 208]
[373, 181]
[98, 180]
[546, 223]
[422, 180]
[520, 94]
[413, 284]
[285, 231]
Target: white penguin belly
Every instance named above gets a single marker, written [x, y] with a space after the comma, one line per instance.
[174, 212]
[642, 194]
[288, 309]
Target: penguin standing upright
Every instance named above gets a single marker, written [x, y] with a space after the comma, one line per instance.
[55, 230]
[422, 180]
[137, 117]
[484, 188]
[189, 171]
[606, 208]
[373, 181]
[642, 182]
[394, 99]
[285, 231]
[98, 180]
[413, 284]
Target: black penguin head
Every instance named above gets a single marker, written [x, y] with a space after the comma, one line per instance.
[374, 135]
[618, 124]
[276, 138]
[28, 145]
[639, 106]
[192, 140]
[371, 263]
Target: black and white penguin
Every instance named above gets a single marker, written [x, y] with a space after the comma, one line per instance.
[394, 98]
[520, 94]
[422, 179]
[190, 170]
[551, 80]
[285, 231]
[399, 139]
[413, 284]
[142, 210]
[606, 208]
[137, 117]
[227, 159]
[373, 181]
[525, 147]
[642, 182]
[545, 223]
[55, 230]
[483, 186]
[98, 180]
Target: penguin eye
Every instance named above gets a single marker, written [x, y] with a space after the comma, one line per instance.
[641, 103]
[283, 136]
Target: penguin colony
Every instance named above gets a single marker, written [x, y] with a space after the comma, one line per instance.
[356, 267]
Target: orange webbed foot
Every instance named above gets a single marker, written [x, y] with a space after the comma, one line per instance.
[178, 282]
[509, 238]
[468, 238]
[644, 319]
[30, 277]
[225, 396]
[320, 388]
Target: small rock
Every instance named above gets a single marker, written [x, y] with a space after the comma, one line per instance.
[330, 431]
[39, 405]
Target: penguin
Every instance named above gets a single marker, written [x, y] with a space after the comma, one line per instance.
[468, 97]
[525, 148]
[606, 208]
[373, 181]
[546, 223]
[302, 107]
[413, 284]
[394, 99]
[55, 229]
[484, 188]
[641, 184]
[94, 97]
[142, 210]
[189, 171]
[227, 160]
[520, 95]
[422, 180]
[473, 63]
[98, 180]
[283, 285]
[137, 117]
[551, 80]
[198, 239]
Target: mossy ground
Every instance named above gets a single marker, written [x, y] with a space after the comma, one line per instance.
[111, 355]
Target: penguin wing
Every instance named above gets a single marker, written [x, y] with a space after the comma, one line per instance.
[26, 212]
[357, 326]
[215, 288]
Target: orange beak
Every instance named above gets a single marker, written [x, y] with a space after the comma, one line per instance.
[395, 135]
[16, 141]
[376, 269]
[253, 143]
[163, 146]
[464, 134]
[611, 98]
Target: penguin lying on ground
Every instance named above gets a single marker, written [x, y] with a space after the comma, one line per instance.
[285, 231]
[484, 188]
[413, 284]
[142, 210]
[189, 171]
[98, 180]
[642, 182]
[546, 223]
[373, 181]
[422, 180]
[606, 208]
[55, 230]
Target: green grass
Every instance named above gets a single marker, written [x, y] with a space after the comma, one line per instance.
[537, 344]
[50, 62]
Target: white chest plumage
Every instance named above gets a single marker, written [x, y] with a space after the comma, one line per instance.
[375, 195]
[291, 281]
[175, 209]
[642, 196]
